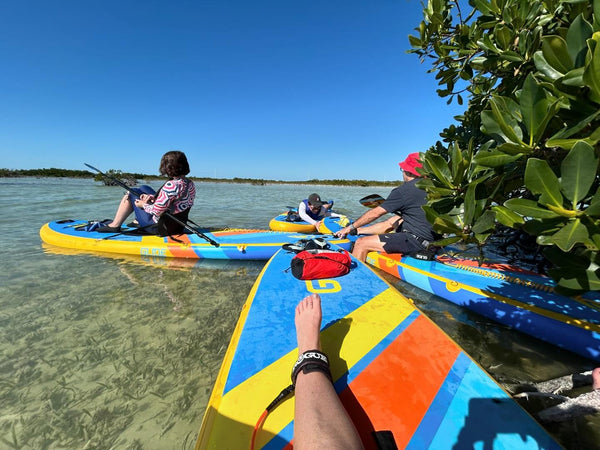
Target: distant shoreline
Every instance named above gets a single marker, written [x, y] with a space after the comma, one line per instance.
[65, 173]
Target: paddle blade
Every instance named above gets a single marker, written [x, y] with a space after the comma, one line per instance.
[371, 201]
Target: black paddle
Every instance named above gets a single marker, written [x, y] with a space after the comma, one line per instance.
[166, 213]
[371, 201]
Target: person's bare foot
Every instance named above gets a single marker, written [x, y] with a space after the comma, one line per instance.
[308, 323]
[596, 378]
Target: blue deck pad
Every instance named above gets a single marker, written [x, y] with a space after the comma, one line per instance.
[430, 424]
[469, 426]
[271, 315]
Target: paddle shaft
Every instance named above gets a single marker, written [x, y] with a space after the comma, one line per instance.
[166, 213]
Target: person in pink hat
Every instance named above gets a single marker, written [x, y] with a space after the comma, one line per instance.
[407, 231]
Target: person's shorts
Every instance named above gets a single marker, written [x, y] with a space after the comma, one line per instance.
[400, 243]
[144, 219]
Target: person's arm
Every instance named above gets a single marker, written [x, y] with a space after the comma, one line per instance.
[386, 226]
[168, 193]
[366, 218]
[303, 215]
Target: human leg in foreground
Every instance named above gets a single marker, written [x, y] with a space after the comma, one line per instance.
[320, 420]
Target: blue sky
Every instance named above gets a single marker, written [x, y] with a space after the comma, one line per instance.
[255, 89]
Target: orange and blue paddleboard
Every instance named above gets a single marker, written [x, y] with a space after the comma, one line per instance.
[393, 368]
[233, 243]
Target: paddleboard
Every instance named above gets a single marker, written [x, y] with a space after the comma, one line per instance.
[233, 243]
[280, 223]
[520, 299]
[393, 368]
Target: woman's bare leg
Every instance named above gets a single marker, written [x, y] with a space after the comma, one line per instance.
[123, 211]
[320, 422]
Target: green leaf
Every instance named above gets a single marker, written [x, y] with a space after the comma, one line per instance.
[469, 204]
[485, 222]
[591, 74]
[574, 77]
[578, 172]
[543, 66]
[570, 235]
[443, 224]
[540, 179]
[494, 158]
[567, 132]
[509, 126]
[576, 260]
[556, 53]
[585, 281]
[579, 32]
[507, 217]
[515, 149]
[534, 107]
[448, 241]
[594, 208]
[456, 164]
[529, 208]
[438, 166]
[503, 36]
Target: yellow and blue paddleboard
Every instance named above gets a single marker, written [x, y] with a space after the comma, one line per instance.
[522, 300]
[392, 367]
[233, 243]
[280, 223]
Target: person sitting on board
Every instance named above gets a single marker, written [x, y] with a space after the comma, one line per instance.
[320, 419]
[176, 196]
[313, 210]
[408, 231]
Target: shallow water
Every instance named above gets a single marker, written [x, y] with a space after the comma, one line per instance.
[103, 351]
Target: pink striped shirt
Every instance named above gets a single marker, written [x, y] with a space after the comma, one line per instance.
[176, 195]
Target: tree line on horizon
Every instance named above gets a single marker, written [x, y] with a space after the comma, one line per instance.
[68, 173]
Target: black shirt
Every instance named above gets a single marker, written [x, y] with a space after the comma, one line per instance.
[407, 200]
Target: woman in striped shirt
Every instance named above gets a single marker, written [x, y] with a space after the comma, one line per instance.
[176, 196]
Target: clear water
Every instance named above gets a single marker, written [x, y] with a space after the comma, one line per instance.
[103, 351]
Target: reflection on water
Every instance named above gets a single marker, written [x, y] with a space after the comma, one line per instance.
[102, 351]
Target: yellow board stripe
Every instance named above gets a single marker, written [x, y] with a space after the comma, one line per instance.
[358, 332]
[454, 286]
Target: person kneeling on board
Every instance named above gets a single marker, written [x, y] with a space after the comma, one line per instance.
[176, 197]
[313, 210]
[408, 231]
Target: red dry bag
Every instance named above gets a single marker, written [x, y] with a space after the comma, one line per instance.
[317, 264]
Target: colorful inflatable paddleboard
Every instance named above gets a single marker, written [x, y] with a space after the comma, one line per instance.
[233, 244]
[281, 223]
[393, 368]
[522, 300]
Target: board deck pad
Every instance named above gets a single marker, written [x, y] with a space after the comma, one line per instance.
[392, 367]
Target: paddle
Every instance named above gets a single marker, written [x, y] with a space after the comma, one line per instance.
[166, 213]
[371, 201]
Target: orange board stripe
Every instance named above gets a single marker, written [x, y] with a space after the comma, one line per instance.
[393, 392]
